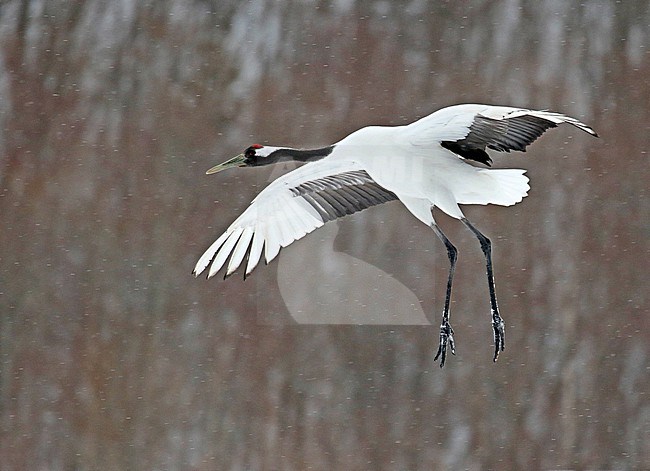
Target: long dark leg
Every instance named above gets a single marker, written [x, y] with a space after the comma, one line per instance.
[446, 332]
[497, 322]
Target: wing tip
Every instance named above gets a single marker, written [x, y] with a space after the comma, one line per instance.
[562, 118]
[198, 269]
[582, 126]
[230, 273]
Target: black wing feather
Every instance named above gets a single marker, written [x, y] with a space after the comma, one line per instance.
[339, 195]
[502, 135]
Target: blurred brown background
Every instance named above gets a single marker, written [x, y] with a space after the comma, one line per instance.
[112, 356]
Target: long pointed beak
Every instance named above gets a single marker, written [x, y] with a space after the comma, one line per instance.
[238, 161]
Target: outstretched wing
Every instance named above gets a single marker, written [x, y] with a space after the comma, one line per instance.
[467, 130]
[288, 209]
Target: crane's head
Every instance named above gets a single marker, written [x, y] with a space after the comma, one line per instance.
[254, 156]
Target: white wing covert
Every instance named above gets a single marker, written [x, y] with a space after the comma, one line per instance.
[288, 209]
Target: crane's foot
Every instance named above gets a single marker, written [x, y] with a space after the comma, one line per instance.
[499, 334]
[446, 335]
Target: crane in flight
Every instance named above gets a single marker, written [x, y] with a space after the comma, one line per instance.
[438, 161]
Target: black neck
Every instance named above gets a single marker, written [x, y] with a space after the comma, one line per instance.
[300, 155]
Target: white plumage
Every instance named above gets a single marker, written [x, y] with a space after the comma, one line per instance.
[423, 164]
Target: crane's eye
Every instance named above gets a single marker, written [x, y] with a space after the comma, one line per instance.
[250, 152]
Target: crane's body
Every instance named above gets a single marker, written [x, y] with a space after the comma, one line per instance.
[424, 165]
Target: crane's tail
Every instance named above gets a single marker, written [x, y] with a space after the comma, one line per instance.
[504, 187]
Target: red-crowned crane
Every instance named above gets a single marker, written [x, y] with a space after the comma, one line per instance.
[423, 164]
